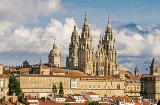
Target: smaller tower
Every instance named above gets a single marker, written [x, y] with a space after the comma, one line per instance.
[54, 56]
[26, 64]
[100, 58]
[72, 59]
[136, 72]
[154, 68]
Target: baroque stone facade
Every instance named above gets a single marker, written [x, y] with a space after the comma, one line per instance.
[49, 84]
[81, 52]
[72, 59]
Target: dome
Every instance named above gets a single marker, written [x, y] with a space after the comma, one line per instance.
[54, 52]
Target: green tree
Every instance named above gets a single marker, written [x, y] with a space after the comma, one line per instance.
[158, 102]
[94, 103]
[61, 92]
[67, 104]
[14, 86]
[7, 72]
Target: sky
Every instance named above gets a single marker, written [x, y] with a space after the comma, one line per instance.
[28, 29]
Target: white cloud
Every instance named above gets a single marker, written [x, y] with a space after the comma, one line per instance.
[133, 43]
[23, 10]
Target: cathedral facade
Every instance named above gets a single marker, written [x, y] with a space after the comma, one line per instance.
[81, 52]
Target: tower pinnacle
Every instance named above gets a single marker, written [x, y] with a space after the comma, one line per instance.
[154, 68]
[108, 26]
[54, 44]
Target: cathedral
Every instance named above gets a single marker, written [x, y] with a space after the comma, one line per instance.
[81, 52]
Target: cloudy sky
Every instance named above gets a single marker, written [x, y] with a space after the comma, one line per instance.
[28, 29]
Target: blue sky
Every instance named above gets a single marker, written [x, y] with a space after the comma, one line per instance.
[28, 28]
[137, 11]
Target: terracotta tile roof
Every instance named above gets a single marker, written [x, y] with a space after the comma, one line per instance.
[92, 93]
[71, 76]
[68, 72]
[35, 67]
[125, 72]
[52, 103]
[45, 67]
[23, 70]
[76, 94]
[127, 99]
[33, 103]
[132, 78]
[4, 75]
[30, 98]
[7, 103]
[1, 64]
[57, 96]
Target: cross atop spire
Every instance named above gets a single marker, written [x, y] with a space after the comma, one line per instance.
[85, 18]
[100, 39]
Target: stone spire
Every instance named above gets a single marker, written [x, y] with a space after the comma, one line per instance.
[108, 32]
[154, 68]
[85, 29]
[108, 26]
[100, 40]
[74, 33]
[72, 59]
[136, 71]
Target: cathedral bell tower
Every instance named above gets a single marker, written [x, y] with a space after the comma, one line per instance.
[72, 59]
[85, 50]
[154, 68]
[111, 52]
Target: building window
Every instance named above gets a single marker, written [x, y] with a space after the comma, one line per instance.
[98, 86]
[118, 86]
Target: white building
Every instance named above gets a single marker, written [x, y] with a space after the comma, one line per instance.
[90, 96]
[57, 99]
[4, 80]
[77, 98]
